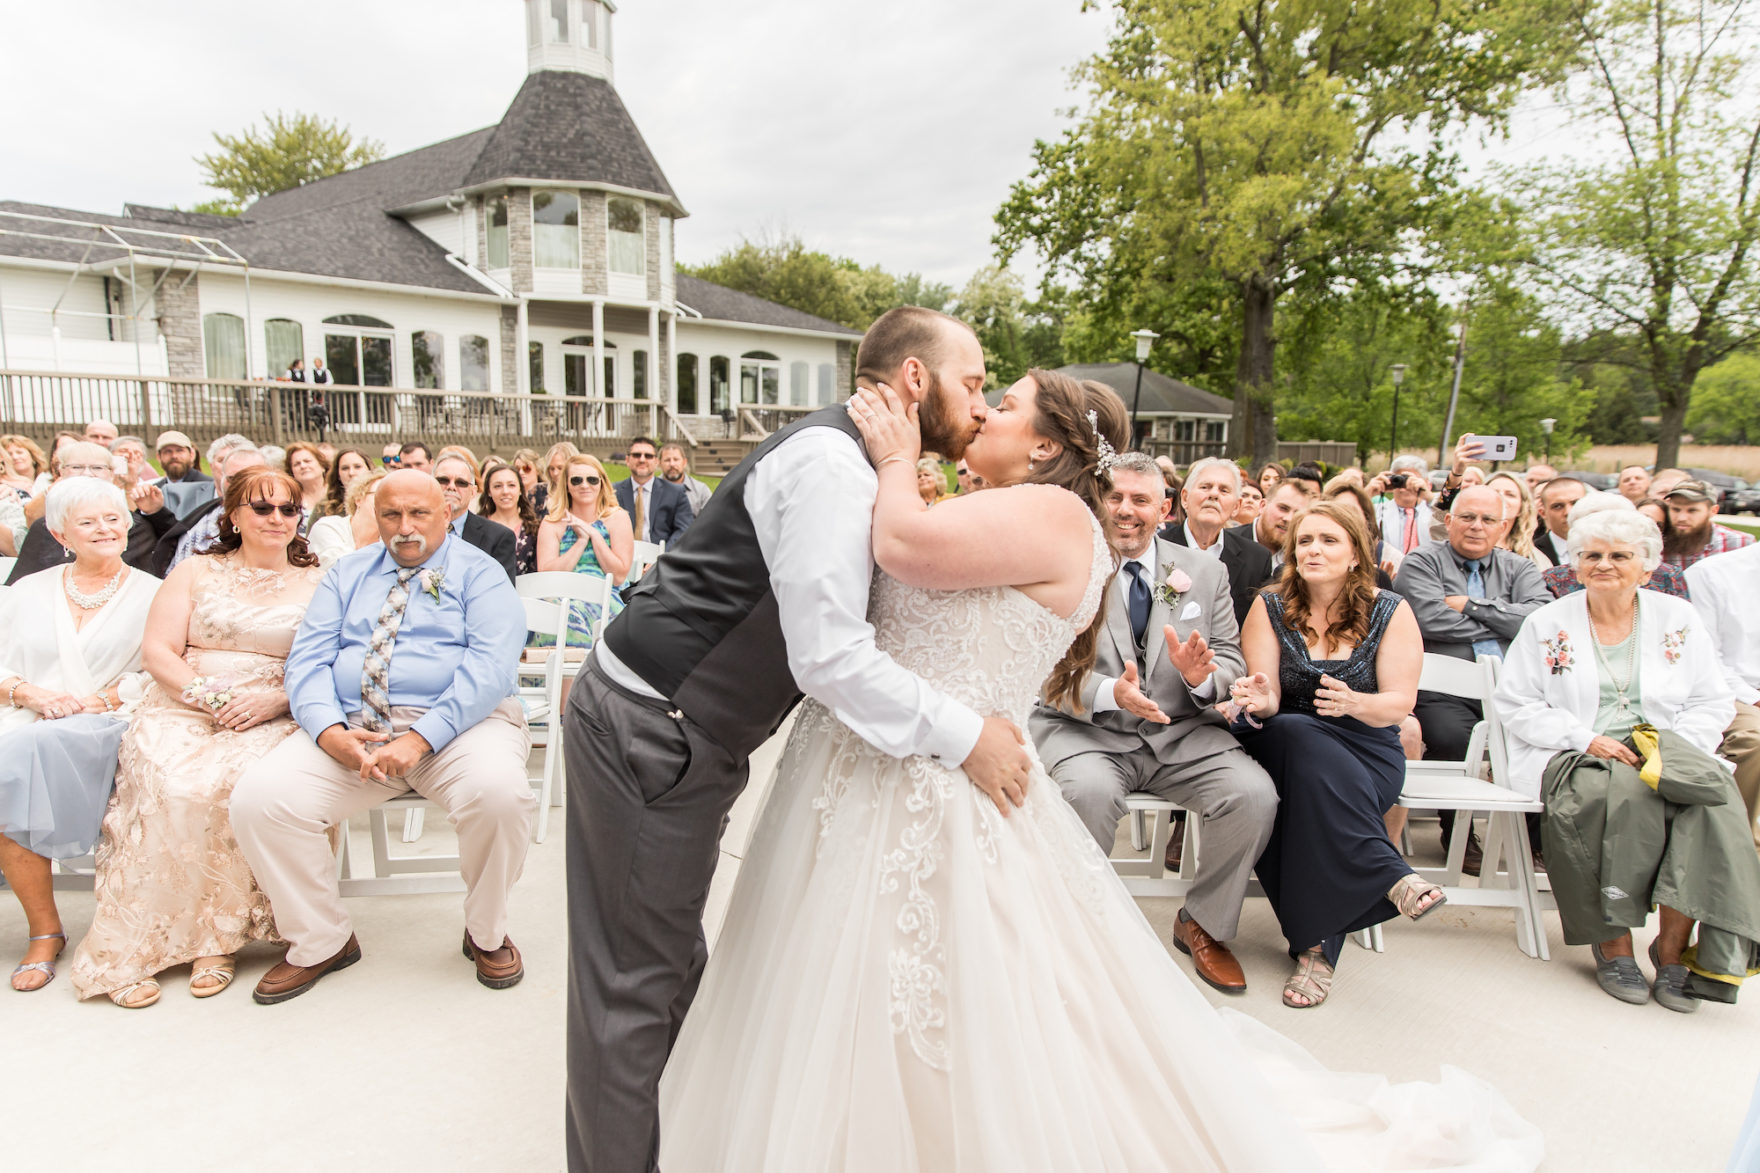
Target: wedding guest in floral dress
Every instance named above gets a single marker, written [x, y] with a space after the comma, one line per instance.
[586, 532]
[172, 887]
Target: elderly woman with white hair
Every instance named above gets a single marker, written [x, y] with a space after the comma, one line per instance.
[70, 671]
[1615, 703]
[1562, 580]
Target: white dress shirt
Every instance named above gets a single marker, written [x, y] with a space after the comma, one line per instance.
[1720, 589]
[1104, 701]
[1214, 550]
[1559, 548]
[811, 501]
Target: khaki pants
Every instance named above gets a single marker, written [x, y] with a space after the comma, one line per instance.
[284, 806]
[1741, 745]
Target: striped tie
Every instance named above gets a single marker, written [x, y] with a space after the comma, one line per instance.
[376, 671]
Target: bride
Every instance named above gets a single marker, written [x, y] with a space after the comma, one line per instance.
[912, 977]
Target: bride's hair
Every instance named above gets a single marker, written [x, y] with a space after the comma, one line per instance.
[1062, 407]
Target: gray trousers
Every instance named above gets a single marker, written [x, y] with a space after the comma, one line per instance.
[648, 796]
[1229, 791]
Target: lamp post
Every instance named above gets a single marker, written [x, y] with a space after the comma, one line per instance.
[1546, 426]
[1145, 339]
[1399, 376]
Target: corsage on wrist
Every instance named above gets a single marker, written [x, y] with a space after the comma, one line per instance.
[207, 691]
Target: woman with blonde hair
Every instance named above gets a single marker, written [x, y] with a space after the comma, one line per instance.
[336, 534]
[28, 462]
[1518, 503]
[931, 481]
[554, 464]
[585, 531]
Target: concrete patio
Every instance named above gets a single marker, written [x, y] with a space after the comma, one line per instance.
[405, 1063]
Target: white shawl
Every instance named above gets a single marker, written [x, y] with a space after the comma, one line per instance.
[1550, 689]
[39, 642]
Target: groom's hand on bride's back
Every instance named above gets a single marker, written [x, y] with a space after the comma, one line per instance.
[998, 764]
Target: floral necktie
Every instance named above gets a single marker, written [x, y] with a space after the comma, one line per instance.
[376, 670]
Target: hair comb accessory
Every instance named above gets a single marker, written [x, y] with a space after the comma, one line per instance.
[1107, 455]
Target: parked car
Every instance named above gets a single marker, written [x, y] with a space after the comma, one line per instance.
[1724, 483]
[1605, 481]
[1745, 498]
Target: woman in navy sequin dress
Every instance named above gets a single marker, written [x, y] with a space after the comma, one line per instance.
[1333, 666]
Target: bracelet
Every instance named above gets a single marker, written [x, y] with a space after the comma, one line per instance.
[12, 693]
[891, 460]
[108, 707]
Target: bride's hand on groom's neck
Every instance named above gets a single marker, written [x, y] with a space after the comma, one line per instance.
[888, 425]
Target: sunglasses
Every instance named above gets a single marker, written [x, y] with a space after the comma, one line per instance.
[578, 481]
[641, 456]
[264, 509]
[454, 482]
[388, 460]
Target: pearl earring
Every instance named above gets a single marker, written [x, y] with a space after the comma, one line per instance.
[1029, 464]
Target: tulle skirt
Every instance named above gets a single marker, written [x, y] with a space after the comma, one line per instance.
[55, 781]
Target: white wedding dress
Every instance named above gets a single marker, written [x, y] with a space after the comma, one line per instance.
[907, 981]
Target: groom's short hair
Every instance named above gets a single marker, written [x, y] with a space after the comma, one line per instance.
[906, 331]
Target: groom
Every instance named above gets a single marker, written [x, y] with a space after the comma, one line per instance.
[764, 598]
[1170, 651]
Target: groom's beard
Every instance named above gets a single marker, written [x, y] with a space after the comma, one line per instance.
[945, 421]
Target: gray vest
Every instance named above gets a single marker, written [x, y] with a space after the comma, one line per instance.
[701, 626]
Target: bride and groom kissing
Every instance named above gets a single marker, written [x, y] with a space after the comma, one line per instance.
[927, 963]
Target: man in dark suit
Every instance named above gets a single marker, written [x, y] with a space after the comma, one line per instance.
[179, 537]
[1553, 502]
[660, 510]
[1211, 495]
[458, 481]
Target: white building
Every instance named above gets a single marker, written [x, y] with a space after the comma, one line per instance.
[532, 256]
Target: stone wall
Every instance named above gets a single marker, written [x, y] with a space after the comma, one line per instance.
[519, 237]
[846, 376]
[480, 206]
[651, 231]
[509, 350]
[595, 249]
[178, 308]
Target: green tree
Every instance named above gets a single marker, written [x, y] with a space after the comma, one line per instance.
[1266, 147]
[1726, 403]
[1655, 243]
[289, 151]
[835, 288]
[1016, 334]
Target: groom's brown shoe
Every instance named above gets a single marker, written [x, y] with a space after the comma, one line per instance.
[287, 980]
[1210, 957]
[496, 968]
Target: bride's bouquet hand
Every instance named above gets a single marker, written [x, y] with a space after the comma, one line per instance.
[888, 425]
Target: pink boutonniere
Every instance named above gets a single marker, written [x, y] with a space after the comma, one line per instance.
[1558, 654]
[1672, 643]
[1177, 583]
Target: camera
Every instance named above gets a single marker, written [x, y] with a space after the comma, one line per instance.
[1397, 481]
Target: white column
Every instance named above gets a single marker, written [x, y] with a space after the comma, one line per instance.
[672, 361]
[522, 362]
[598, 380]
[654, 393]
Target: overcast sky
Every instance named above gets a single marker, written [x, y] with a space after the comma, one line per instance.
[886, 132]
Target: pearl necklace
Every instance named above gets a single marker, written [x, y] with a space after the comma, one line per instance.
[1629, 647]
[87, 602]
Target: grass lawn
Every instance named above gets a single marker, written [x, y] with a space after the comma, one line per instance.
[1746, 526]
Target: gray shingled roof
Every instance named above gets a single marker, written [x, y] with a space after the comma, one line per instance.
[1161, 395]
[730, 305]
[602, 146]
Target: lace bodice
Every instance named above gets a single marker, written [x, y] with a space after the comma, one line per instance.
[989, 648]
[1298, 673]
[244, 620]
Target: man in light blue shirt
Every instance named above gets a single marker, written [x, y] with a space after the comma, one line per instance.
[402, 677]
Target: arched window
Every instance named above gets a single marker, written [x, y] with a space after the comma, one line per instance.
[366, 320]
[497, 214]
[556, 230]
[223, 345]
[797, 384]
[283, 342]
[827, 384]
[718, 385]
[428, 349]
[628, 242]
[687, 384]
[760, 379]
[473, 363]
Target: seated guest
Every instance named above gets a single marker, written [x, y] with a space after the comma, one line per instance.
[133, 449]
[1272, 526]
[555, 467]
[1269, 475]
[931, 481]
[1634, 483]
[1720, 595]
[1518, 505]
[1148, 726]
[180, 460]
[402, 677]
[1334, 666]
[28, 462]
[1402, 517]
[70, 658]
[587, 533]
[1356, 497]
[388, 455]
[658, 509]
[13, 526]
[676, 467]
[1562, 580]
[41, 550]
[161, 504]
[463, 453]
[1657, 511]
[1252, 501]
[1614, 702]
[103, 433]
[1469, 598]
[305, 464]
[1693, 531]
[334, 536]
[525, 463]
[504, 503]
[349, 466]
[458, 482]
[172, 887]
[195, 532]
[1663, 483]
[1538, 474]
[1211, 495]
[1308, 479]
[1556, 498]
[416, 455]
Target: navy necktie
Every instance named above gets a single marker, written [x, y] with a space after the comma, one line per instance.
[1139, 601]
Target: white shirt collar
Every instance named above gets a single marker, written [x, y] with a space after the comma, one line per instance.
[1215, 550]
[1148, 560]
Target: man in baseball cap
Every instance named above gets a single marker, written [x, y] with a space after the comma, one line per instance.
[1693, 534]
[179, 458]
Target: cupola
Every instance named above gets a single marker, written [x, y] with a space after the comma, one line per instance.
[570, 35]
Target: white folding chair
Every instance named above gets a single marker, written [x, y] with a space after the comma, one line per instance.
[647, 553]
[558, 586]
[1462, 786]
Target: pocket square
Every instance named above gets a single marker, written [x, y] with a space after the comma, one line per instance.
[1192, 611]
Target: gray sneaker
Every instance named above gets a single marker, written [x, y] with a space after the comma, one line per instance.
[1671, 985]
[1621, 977]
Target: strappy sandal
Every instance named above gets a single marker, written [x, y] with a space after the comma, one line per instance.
[1671, 985]
[222, 975]
[1311, 980]
[1409, 895]
[42, 967]
[123, 997]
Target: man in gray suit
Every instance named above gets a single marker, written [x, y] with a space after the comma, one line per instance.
[1170, 650]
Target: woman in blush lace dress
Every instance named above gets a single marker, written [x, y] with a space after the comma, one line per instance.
[912, 977]
[172, 886]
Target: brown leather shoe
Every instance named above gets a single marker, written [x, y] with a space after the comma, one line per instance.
[1210, 957]
[496, 968]
[286, 980]
[1176, 841]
